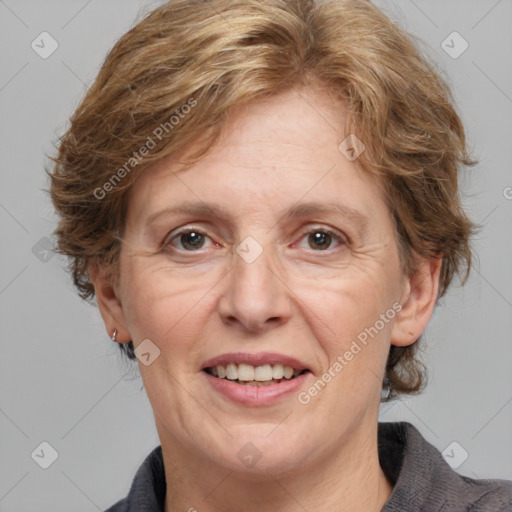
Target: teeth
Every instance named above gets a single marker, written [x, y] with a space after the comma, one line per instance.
[254, 375]
[231, 371]
[278, 371]
[245, 372]
[263, 373]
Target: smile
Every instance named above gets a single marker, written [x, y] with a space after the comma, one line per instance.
[256, 380]
[249, 375]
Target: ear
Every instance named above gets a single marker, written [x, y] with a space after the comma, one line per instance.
[110, 306]
[418, 301]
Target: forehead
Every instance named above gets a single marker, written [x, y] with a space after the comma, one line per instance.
[284, 150]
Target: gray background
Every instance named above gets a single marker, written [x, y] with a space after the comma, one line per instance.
[61, 378]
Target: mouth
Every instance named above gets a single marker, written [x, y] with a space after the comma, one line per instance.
[256, 380]
[249, 375]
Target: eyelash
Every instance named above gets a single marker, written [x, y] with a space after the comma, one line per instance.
[167, 242]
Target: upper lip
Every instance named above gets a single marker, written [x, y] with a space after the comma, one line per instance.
[259, 359]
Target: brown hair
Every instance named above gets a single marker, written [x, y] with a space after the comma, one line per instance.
[174, 78]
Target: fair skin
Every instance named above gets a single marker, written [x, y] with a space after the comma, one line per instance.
[305, 296]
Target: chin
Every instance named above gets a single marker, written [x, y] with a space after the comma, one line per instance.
[261, 449]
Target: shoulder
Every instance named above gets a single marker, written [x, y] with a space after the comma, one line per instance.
[488, 494]
[120, 506]
[423, 480]
[148, 488]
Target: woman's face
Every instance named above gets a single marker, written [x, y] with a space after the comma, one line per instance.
[275, 249]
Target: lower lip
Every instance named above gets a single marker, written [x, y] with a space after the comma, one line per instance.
[255, 396]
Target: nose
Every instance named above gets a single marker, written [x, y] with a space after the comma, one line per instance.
[256, 298]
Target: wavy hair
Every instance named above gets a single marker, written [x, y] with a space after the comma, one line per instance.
[175, 77]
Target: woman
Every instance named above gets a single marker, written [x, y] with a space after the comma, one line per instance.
[262, 196]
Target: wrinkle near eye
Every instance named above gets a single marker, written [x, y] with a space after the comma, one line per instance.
[371, 249]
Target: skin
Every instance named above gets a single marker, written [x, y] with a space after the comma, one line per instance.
[297, 298]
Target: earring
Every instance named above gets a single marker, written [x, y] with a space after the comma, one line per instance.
[114, 334]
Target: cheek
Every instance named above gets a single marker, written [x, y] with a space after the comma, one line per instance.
[352, 328]
[161, 304]
[351, 320]
[348, 302]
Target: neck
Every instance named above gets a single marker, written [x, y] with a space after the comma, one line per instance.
[349, 478]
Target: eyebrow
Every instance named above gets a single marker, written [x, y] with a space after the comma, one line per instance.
[301, 210]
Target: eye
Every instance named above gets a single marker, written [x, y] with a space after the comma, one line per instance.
[321, 239]
[187, 240]
[190, 239]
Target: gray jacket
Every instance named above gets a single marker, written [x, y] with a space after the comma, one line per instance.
[423, 481]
